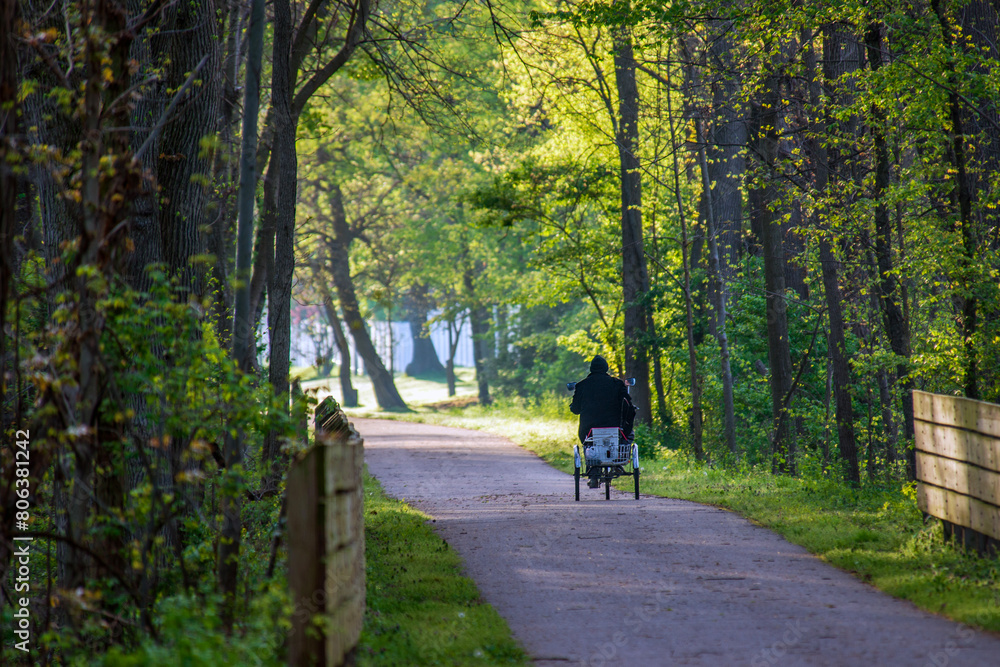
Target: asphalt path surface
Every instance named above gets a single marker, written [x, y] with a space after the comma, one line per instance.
[653, 581]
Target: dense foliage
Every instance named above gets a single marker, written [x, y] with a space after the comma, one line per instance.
[780, 216]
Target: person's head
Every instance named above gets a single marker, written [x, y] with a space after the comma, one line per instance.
[598, 365]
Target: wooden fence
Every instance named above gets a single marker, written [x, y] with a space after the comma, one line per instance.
[326, 543]
[958, 467]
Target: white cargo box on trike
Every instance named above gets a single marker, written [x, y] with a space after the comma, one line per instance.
[607, 455]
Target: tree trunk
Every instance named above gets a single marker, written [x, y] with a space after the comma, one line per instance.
[229, 542]
[888, 421]
[453, 338]
[479, 322]
[264, 247]
[299, 97]
[826, 168]
[9, 17]
[221, 238]
[838, 359]
[686, 263]
[144, 220]
[635, 279]
[46, 125]
[726, 162]
[728, 406]
[980, 22]
[896, 326]
[425, 359]
[347, 390]
[480, 332]
[764, 152]
[386, 394]
[189, 34]
[279, 287]
[661, 398]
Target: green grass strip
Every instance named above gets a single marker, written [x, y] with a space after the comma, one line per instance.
[420, 609]
[875, 532]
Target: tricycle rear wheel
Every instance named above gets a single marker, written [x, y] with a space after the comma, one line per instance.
[635, 473]
[576, 480]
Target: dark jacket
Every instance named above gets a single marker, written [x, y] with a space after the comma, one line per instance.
[600, 400]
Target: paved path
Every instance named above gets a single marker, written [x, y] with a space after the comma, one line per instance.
[649, 582]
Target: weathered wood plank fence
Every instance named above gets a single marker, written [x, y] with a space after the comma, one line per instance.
[958, 467]
[326, 543]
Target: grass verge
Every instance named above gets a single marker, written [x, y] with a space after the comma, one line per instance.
[420, 609]
[875, 532]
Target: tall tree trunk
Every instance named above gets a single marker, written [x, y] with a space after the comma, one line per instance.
[221, 238]
[47, 126]
[896, 326]
[764, 152]
[726, 162]
[635, 278]
[189, 34]
[144, 220]
[728, 406]
[9, 17]
[300, 96]
[826, 168]
[980, 22]
[686, 263]
[889, 430]
[386, 394]
[279, 287]
[104, 195]
[838, 359]
[229, 543]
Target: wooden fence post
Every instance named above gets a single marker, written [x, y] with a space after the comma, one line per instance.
[326, 543]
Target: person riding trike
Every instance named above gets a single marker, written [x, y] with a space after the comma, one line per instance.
[606, 418]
